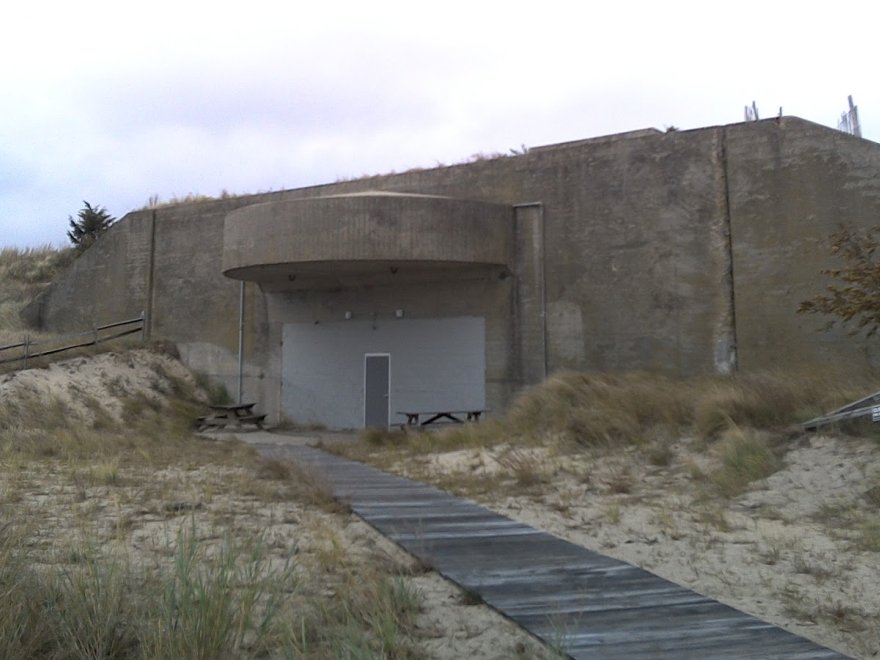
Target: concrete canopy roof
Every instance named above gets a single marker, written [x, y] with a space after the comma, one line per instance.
[366, 239]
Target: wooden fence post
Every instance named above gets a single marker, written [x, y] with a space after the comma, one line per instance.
[27, 342]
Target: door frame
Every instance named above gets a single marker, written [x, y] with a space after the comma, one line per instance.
[369, 355]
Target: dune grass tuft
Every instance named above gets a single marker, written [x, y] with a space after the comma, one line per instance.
[23, 274]
[746, 456]
[595, 409]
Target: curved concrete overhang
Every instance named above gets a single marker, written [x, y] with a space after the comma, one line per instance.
[366, 239]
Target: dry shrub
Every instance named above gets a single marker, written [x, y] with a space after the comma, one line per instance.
[274, 469]
[623, 409]
[425, 440]
[164, 347]
[639, 408]
[597, 409]
[461, 436]
[30, 411]
[94, 602]
[872, 496]
[24, 632]
[312, 487]
[23, 274]
[746, 456]
[156, 432]
[770, 400]
[372, 615]
[868, 538]
[620, 480]
[661, 454]
[527, 468]
[378, 437]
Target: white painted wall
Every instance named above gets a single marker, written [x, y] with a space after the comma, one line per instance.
[436, 364]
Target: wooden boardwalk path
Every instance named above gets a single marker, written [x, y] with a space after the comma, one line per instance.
[587, 604]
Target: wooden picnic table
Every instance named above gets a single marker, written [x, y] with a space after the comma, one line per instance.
[433, 416]
[234, 415]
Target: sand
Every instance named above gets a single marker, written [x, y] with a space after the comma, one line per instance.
[800, 549]
[145, 512]
[792, 550]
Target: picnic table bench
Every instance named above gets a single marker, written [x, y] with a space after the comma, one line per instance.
[433, 416]
[230, 416]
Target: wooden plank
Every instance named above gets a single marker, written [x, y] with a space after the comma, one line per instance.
[588, 604]
[861, 408]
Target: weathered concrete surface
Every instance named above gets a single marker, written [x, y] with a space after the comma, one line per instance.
[431, 360]
[634, 253]
[685, 251]
[793, 183]
[107, 283]
[165, 263]
[490, 299]
[529, 309]
[370, 238]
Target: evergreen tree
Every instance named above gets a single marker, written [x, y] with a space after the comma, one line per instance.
[91, 222]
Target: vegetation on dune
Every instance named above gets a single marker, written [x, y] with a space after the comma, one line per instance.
[702, 481]
[86, 583]
[138, 539]
[632, 408]
[23, 274]
[202, 599]
[745, 419]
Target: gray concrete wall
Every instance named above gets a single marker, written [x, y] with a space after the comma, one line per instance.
[635, 256]
[487, 299]
[635, 250]
[529, 309]
[793, 183]
[435, 364]
[165, 262]
[684, 251]
[193, 304]
[107, 283]
[329, 233]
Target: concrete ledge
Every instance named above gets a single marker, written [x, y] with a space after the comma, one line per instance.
[369, 238]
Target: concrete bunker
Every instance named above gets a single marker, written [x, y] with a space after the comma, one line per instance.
[371, 259]
[685, 252]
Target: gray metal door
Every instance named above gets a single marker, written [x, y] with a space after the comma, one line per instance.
[377, 381]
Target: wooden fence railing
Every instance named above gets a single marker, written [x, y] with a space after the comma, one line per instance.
[870, 405]
[30, 349]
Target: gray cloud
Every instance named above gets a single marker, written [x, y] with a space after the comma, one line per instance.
[174, 98]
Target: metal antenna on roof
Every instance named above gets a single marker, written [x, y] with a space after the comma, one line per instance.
[849, 120]
[751, 112]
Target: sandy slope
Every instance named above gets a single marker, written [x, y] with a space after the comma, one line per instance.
[64, 503]
[800, 549]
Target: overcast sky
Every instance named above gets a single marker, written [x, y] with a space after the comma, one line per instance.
[115, 102]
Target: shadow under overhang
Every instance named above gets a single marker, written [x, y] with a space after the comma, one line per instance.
[335, 275]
